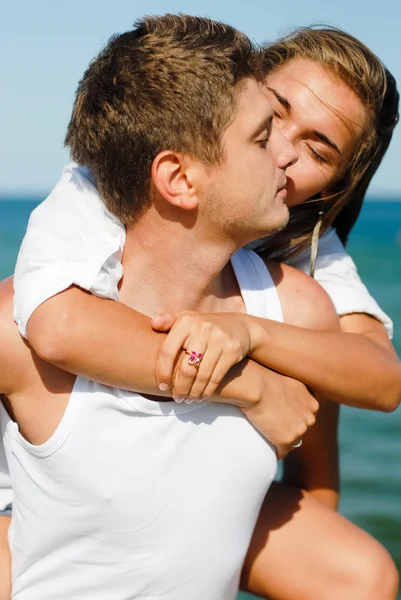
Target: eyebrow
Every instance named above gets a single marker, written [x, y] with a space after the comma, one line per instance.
[323, 138]
[320, 136]
[265, 125]
[283, 101]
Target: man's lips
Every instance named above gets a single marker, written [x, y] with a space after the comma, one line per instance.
[283, 186]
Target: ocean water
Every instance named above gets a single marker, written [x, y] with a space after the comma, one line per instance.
[370, 442]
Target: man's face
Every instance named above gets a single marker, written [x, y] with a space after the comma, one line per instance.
[246, 194]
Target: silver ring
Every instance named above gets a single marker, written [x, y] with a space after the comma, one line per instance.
[298, 444]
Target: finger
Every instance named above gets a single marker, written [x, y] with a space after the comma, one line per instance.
[226, 361]
[186, 372]
[162, 322]
[205, 372]
[168, 355]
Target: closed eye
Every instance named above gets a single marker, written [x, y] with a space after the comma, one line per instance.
[263, 143]
[318, 157]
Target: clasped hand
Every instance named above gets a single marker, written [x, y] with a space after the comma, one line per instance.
[281, 408]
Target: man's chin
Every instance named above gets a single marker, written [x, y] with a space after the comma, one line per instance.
[271, 227]
[282, 220]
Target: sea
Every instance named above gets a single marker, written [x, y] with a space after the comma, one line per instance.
[370, 442]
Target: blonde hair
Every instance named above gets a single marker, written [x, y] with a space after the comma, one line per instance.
[351, 61]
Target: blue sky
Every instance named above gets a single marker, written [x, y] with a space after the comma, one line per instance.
[46, 45]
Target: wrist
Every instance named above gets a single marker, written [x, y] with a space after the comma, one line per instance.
[243, 385]
[259, 336]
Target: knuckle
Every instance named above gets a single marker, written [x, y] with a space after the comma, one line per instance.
[202, 377]
[220, 336]
[185, 370]
[206, 326]
[315, 406]
[185, 321]
[234, 346]
[302, 429]
[311, 420]
[215, 380]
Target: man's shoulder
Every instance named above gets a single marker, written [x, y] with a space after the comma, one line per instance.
[304, 302]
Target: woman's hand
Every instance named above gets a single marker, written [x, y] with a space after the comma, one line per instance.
[219, 340]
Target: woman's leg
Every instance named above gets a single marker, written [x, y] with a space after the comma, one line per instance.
[5, 559]
[302, 550]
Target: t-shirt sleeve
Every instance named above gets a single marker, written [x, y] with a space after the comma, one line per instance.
[337, 274]
[71, 239]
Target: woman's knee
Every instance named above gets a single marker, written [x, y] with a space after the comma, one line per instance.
[372, 575]
[327, 556]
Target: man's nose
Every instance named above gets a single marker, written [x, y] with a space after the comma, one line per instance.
[287, 154]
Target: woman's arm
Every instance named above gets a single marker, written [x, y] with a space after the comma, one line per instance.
[348, 368]
[69, 330]
[314, 466]
[280, 408]
[356, 366]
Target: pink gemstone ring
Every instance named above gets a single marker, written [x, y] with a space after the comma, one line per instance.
[195, 359]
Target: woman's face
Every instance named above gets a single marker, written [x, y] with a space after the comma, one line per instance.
[322, 117]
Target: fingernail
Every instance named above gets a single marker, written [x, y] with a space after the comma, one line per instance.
[163, 386]
[156, 317]
[178, 398]
[188, 400]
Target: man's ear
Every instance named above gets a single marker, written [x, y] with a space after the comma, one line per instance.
[174, 177]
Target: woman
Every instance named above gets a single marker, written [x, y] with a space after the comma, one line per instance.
[343, 127]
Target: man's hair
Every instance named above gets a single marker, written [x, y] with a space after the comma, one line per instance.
[171, 83]
[360, 69]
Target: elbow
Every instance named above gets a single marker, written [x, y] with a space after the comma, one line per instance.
[394, 395]
[390, 401]
[388, 395]
[49, 338]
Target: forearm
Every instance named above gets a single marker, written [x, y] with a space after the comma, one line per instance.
[122, 354]
[314, 467]
[99, 339]
[348, 368]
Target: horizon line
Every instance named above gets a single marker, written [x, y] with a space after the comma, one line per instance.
[37, 197]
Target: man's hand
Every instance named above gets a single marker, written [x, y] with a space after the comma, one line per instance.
[285, 411]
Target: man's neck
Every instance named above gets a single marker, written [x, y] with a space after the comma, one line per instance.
[169, 268]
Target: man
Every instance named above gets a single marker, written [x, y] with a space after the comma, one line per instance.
[117, 496]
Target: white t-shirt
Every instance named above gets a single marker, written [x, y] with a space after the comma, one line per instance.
[136, 499]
